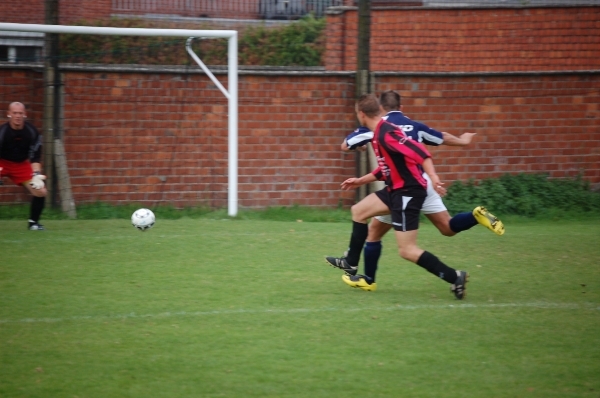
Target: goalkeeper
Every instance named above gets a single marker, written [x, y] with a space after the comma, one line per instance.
[20, 153]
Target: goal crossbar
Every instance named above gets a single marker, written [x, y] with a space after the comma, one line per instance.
[232, 71]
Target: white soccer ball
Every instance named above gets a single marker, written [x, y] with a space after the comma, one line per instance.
[143, 219]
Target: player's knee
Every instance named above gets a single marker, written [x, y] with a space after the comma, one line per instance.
[441, 221]
[447, 231]
[376, 232]
[374, 237]
[39, 193]
[357, 213]
[410, 253]
[443, 226]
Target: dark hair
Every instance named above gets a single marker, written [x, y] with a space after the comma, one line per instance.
[369, 104]
[390, 100]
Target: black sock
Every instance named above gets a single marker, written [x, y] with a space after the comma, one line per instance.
[372, 254]
[37, 205]
[433, 264]
[357, 241]
[462, 221]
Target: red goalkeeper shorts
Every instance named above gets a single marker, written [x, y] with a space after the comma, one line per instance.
[18, 172]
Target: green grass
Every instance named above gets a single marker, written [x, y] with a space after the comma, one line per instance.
[247, 308]
[105, 211]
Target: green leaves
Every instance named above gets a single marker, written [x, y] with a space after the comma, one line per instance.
[524, 194]
[300, 43]
[297, 44]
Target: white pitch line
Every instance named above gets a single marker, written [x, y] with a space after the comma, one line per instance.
[133, 315]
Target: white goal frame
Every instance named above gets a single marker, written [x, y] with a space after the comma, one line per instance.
[232, 68]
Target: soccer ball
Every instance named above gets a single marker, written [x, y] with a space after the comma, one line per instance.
[143, 219]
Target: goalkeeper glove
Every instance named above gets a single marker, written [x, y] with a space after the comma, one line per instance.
[37, 182]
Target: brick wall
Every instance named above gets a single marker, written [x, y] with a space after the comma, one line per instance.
[528, 123]
[16, 11]
[72, 11]
[162, 137]
[89, 10]
[469, 40]
[26, 86]
[32, 11]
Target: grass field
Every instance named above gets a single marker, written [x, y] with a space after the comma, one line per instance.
[230, 308]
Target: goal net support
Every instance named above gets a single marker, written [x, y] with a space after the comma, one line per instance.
[231, 92]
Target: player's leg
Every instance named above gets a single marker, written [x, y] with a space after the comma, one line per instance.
[441, 221]
[38, 193]
[20, 173]
[409, 250]
[378, 227]
[405, 214]
[38, 199]
[467, 220]
[370, 206]
[450, 226]
[406, 238]
[435, 210]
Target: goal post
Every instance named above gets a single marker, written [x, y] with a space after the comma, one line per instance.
[231, 93]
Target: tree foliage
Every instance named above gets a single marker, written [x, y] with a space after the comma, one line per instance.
[300, 43]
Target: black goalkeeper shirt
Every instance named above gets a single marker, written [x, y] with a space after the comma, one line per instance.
[20, 145]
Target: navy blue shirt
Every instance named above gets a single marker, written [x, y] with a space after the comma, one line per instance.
[416, 130]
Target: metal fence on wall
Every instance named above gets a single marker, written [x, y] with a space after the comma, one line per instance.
[502, 3]
[476, 3]
[234, 9]
[294, 9]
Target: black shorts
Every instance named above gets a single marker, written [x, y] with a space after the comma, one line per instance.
[405, 208]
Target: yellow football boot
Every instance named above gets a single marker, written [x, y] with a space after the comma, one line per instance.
[359, 281]
[488, 220]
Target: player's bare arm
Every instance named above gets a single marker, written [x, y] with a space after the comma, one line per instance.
[435, 179]
[344, 147]
[36, 167]
[352, 183]
[463, 140]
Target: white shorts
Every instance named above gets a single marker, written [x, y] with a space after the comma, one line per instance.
[433, 203]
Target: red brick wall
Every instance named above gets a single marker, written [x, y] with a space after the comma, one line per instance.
[17, 11]
[469, 40]
[90, 10]
[162, 138]
[159, 137]
[527, 123]
[71, 11]
[24, 86]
